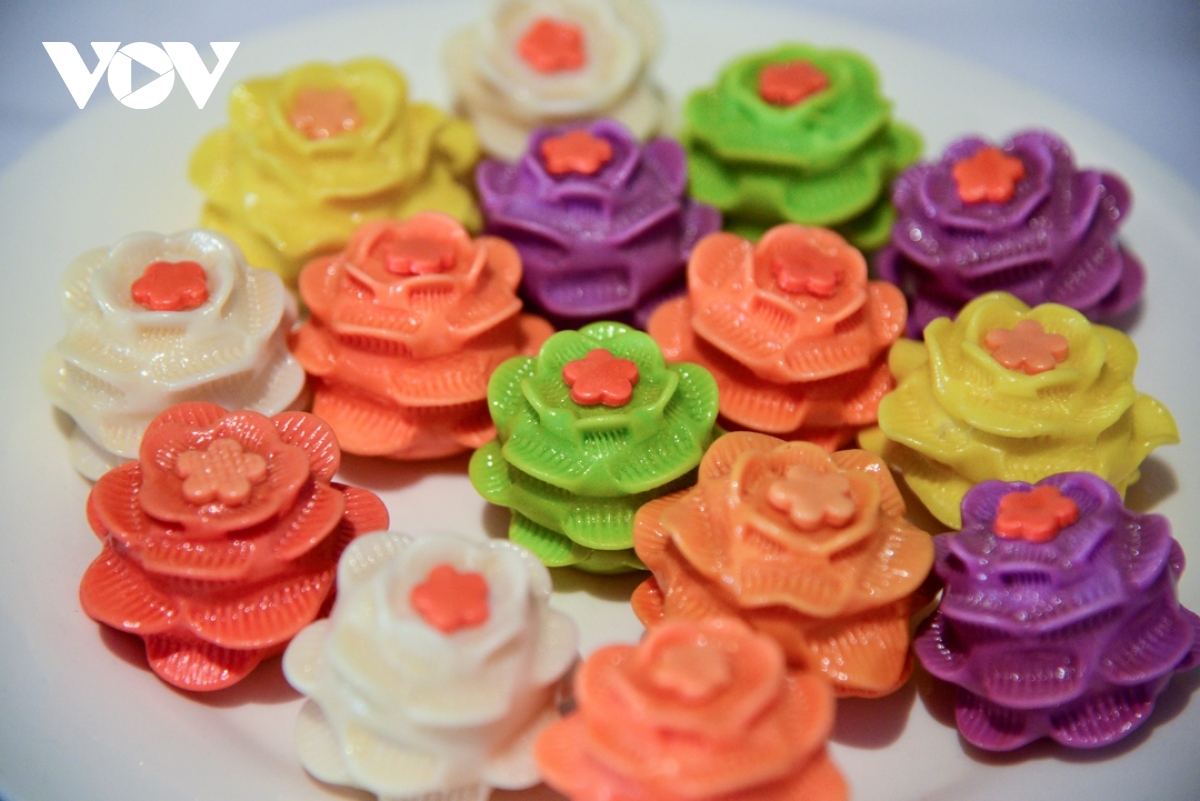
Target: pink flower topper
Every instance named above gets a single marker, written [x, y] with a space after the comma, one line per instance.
[171, 286]
[791, 82]
[578, 151]
[808, 271]
[449, 600]
[812, 499]
[223, 471]
[1027, 347]
[322, 113]
[692, 672]
[551, 45]
[600, 377]
[1037, 516]
[988, 175]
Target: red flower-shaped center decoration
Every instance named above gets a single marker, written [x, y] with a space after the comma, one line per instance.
[578, 151]
[812, 499]
[808, 270]
[222, 471]
[449, 600]
[1027, 347]
[551, 45]
[405, 257]
[791, 82]
[322, 113]
[600, 377]
[692, 672]
[1036, 516]
[171, 286]
[988, 175]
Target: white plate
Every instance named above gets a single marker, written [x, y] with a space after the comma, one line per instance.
[82, 717]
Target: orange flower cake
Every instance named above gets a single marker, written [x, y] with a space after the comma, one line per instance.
[221, 541]
[808, 547]
[792, 330]
[407, 325]
[699, 711]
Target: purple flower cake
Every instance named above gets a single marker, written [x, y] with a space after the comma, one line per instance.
[1060, 617]
[603, 224]
[1019, 218]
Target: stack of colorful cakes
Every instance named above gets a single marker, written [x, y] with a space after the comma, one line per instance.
[798, 134]
[604, 225]
[310, 155]
[1018, 218]
[791, 329]
[595, 426]
[407, 325]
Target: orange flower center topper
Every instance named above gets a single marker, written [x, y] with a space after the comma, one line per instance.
[414, 256]
[223, 471]
[692, 672]
[808, 269]
[812, 499]
[322, 113]
[1027, 347]
[449, 600]
[791, 82]
[171, 286]
[599, 378]
[551, 45]
[578, 151]
[1037, 516]
[988, 175]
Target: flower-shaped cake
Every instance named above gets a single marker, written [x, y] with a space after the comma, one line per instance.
[810, 548]
[1018, 218]
[310, 155]
[407, 325]
[159, 320]
[592, 428]
[791, 329]
[699, 711]
[222, 540]
[798, 134]
[1059, 617]
[438, 667]
[1013, 393]
[604, 225]
[533, 63]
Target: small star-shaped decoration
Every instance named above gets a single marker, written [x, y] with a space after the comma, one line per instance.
[551, 45]
[1037, 516]
[322, 113]
[1027, 347]
[988, 175]
[222, 471]
[449, 600]
[692, 672]
[406, 257]
[791, 82]
[600, 377]
[171, 286]
[578, 151]
[812, 499]
[808, 270]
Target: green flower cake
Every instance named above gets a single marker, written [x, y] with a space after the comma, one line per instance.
[594, 426]
[798, 134]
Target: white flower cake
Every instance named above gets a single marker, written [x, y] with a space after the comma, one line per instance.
[534, 63]
[440, 664]
[155, 321]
